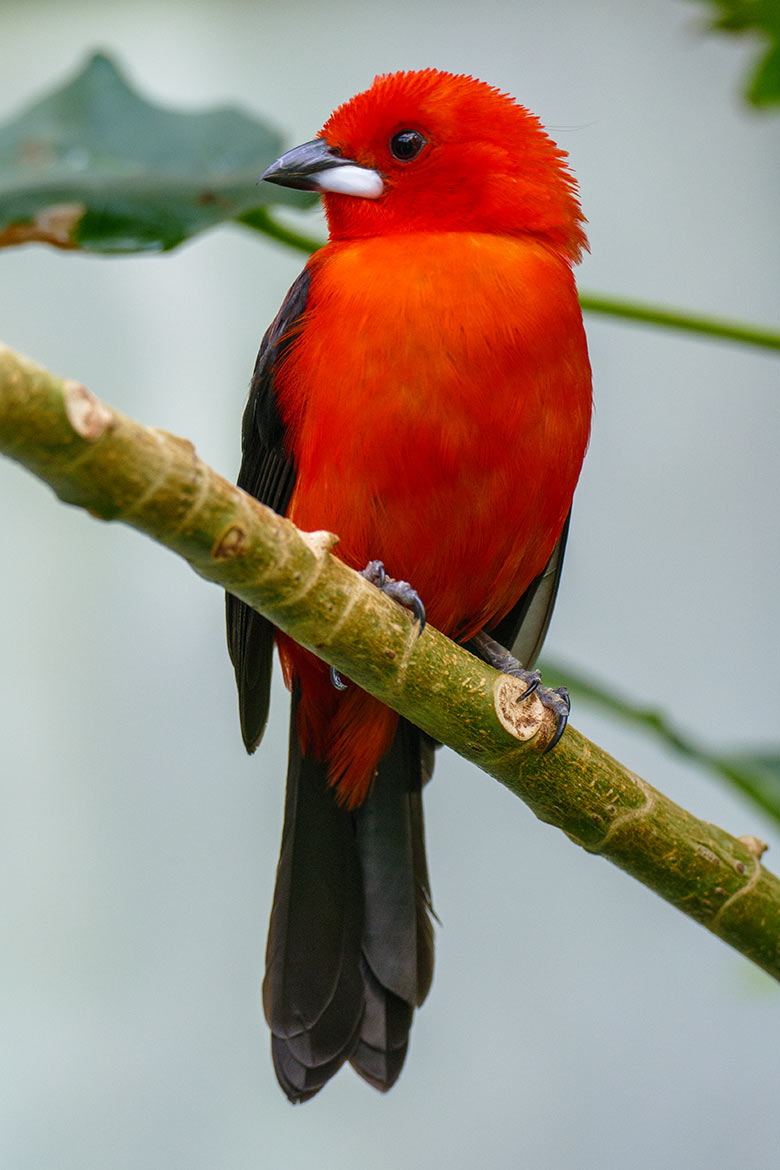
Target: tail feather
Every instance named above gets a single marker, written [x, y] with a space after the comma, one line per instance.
[397, 933]
[299, 1080]
[350, 945]
[313, 990]
[397, 929]
[384, 1034]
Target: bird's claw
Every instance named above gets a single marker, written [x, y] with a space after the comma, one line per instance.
[400, 591]
[555, 700]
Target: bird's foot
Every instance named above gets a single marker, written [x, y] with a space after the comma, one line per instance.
[400, 591]
[555, 700]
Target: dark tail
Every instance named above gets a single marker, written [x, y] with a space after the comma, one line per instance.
[350, 945]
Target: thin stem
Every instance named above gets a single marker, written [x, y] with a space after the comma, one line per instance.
[261, 220]
[674, 319]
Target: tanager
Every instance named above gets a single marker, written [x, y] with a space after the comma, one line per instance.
[425, 393]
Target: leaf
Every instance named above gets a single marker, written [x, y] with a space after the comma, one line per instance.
[97, 167]
[762, 19]
[755, 774]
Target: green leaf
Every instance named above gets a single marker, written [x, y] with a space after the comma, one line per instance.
[761, 18]
[755, 774]
[96, 166]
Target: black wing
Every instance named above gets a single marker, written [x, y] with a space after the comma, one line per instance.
[268, 473]
[524, 628]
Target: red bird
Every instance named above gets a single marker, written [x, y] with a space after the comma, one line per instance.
[425, 393]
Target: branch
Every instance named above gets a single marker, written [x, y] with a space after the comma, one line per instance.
[714, 327]
[96, 458]
[755, 774]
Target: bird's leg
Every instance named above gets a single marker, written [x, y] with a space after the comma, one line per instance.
[400, 591]
[499, 658]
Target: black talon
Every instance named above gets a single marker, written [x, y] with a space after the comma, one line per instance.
[499, 658]
[400, 591]
[375, 573]
[558, 733]
[418, 609]
[561, 700]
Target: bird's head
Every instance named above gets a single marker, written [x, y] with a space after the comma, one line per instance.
[433, 151]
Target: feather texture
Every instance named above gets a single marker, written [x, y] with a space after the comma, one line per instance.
[267, 473]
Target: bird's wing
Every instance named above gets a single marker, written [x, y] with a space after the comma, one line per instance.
[268, 473]
[524, 628]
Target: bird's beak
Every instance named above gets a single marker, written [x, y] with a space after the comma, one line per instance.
[315, 166]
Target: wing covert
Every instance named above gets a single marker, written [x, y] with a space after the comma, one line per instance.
[267, 473]
[524, 628]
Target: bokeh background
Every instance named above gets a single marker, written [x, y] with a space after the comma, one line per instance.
[575, 1021]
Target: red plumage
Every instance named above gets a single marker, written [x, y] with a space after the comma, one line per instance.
[431, 392]
[437, 399]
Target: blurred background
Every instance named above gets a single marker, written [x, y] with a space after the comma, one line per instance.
[576, 1021]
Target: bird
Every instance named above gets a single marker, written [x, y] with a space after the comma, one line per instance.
[425, 393]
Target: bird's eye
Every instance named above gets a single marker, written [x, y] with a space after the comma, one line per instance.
[406, 145]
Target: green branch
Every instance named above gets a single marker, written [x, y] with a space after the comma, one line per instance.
[261, 220]
[686, 322]
[756, 775]
[98, 459]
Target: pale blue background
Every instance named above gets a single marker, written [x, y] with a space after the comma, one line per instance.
[576, 1021]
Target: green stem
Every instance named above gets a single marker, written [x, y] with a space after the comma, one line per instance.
[688, 322]
[261, 220]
